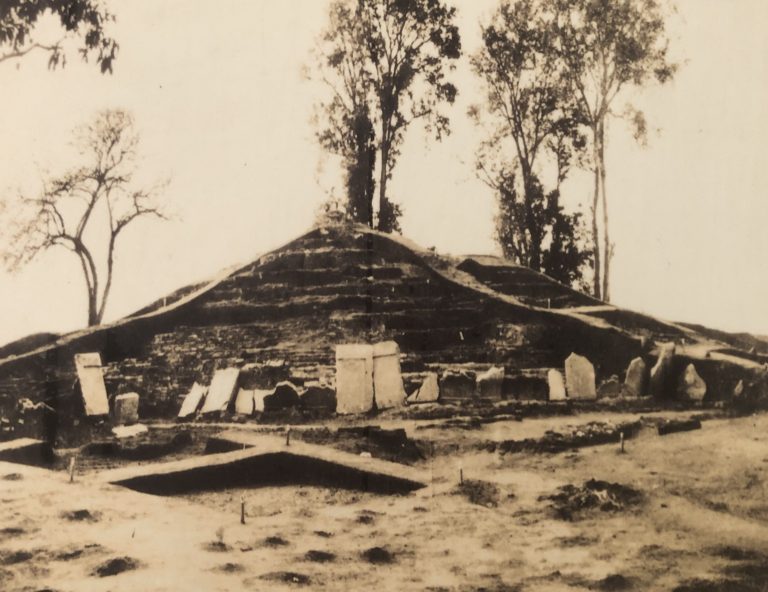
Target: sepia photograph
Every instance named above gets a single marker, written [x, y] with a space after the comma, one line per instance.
[430, 295]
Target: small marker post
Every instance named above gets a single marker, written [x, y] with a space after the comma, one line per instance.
[242, 509]
[288, 437]
[461, 476]
[621, 440]
[72, 469]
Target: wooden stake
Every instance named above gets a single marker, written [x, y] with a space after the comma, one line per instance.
[621, 439]
[461, 476]
[288, 437]
[242, 509]
[72, 469]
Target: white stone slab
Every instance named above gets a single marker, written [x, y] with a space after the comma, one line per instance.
[221, 391]
[244, 402]
[192, 401]
[580, 378]
[388, 390]
[428, 392]
[556, 384]
[91, 377]
[354, 378]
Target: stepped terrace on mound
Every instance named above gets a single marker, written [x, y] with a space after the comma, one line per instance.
[283, 314]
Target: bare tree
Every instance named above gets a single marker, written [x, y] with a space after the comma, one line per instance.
[94, 201]
[608, 46]
[86, 19]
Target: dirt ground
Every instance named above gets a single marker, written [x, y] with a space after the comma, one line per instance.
[696, 520]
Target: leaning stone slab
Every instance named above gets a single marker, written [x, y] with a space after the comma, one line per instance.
[354, 378]
[660, 383]
[428, 392]
[580, 378]
[244, 402]
[388, 391]
[636, 380]
[221, 391]
[126, 410]
[192, 401]
[489, 383]
[556, 384]
[91, 377]
[692, 386]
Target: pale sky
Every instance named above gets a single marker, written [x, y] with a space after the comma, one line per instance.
[218, 94]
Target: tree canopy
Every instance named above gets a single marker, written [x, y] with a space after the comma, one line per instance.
[386, 62]
[86, 19]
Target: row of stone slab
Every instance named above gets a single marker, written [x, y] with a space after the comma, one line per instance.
[224, 392]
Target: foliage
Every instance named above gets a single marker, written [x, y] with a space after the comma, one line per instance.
[86, 19]
[532, 116]
[386, 63]
[608, 46]
[98, 197]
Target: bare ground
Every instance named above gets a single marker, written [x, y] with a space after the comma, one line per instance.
[699, 522]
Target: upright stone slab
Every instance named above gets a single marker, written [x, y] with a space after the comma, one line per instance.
[91, 377]
[126, 411]
[388, 388]
[244, 404]
[428, 392]
[489, 383]
[192, 401]
[221, 391]
[354, 378]
[692, 386]
[580, 378]
[636, 380]
[660, 383]
[457, 386]
[556, 384]
[318, 397]
[259, 396]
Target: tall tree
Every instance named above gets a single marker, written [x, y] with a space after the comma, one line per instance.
[393, 54]
[86, 209]
[609, 46]
[347, 129]
[530, 109]
[86, 19]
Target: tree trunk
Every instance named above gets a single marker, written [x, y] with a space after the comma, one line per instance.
[383, 180]
[596, 285]
[607, 246]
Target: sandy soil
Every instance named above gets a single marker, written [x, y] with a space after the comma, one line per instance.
[702, 525]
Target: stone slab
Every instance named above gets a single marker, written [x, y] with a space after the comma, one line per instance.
[388, 390]
[354, 378]
[692, 386]
[126, 409]
[580, 378]
[222, 389]
[428, 392]
[636, 380]
[91, 377]
[193, 400]
[489, 383]
[130, 431]
[556, 384]
[244, 404]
